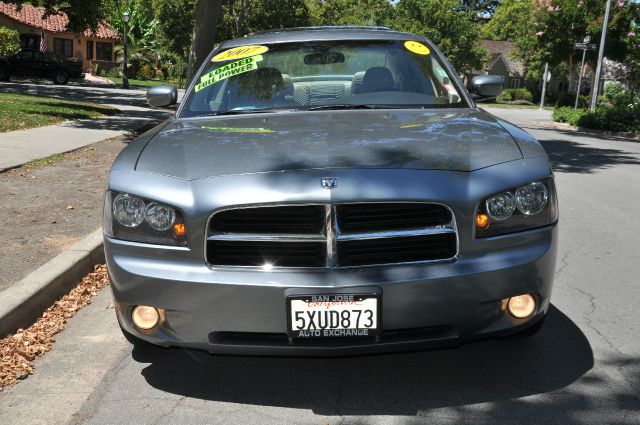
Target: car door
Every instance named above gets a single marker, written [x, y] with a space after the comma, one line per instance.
[20, 62]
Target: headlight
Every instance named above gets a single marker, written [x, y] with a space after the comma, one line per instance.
[501, 206]
[160, 217]
[135, 219]
[532, 198]
[128, 210]
[521, 208]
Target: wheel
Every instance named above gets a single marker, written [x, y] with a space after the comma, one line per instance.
[533, 329]
[61, 78]
[4, 74]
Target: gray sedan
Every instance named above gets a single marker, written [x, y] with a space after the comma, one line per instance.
[330, 191]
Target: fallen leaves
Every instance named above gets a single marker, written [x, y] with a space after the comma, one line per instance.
[18, 351]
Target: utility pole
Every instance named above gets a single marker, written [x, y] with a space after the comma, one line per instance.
[596, 86]
[544, 84]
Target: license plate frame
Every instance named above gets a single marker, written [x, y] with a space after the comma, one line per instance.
[335, 298]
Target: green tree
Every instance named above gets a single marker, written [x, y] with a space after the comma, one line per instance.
[511, 21]
[451, 29]
[175, 23]
[242, 17]
[557, 24]
[9, 41]
[481, 10]
[351, 12]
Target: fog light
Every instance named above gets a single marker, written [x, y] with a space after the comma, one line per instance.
[145, 317]
[522, 306]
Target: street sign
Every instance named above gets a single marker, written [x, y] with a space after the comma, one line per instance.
[584, 46]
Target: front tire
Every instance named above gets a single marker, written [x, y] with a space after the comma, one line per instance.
[61, 78]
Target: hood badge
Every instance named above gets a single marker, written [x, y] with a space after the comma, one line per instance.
[329, 182]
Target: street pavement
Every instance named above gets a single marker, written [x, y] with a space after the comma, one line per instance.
[20, 147]
[582, 368]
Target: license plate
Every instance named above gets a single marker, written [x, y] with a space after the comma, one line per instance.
[335, 315]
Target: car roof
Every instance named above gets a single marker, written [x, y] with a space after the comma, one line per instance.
[288, 35]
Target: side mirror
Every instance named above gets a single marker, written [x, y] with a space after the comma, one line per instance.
[164, 95]
[486, 86]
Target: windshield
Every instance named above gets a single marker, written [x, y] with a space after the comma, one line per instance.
[322, 75]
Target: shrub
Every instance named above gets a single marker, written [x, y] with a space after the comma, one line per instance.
[9, 41]
[146, 72]
[617, 118]
[509, 95]
[568, 115]
[569, 99]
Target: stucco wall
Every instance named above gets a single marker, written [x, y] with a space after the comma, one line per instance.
[79, 41]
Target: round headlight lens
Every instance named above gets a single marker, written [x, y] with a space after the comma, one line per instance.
[128, 210]
[160, 217]
[532, 198]
[501, 206]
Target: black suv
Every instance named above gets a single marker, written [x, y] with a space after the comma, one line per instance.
[32, 63]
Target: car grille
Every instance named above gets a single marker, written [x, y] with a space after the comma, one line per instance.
[331, 236]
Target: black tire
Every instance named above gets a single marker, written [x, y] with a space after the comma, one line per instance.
[533, 329]
[4, 74]
[61, 78]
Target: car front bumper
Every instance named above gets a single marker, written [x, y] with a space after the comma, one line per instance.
[236, 311]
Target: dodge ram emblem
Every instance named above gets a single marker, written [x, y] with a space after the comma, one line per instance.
[329, 182]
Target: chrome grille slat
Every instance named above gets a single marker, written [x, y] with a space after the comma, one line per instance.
[392, 233]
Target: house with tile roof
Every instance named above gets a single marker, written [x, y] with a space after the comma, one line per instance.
[504, 63]
[89, 46]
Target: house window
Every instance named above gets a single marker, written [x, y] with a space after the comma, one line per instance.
[63, 47]
[104, 52]
[515, 83]
[29, 41]
[89, 50]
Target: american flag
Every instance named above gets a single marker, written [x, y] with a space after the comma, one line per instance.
[43, 41]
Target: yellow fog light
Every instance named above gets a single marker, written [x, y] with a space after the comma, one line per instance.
[145, 317]
[521, 306]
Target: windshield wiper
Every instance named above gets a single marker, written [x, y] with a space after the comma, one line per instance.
[341, 106]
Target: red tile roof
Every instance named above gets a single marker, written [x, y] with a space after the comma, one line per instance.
[31, 15]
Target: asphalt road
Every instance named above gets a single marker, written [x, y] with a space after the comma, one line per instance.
[582, 368]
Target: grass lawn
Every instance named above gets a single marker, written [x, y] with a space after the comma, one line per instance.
[508, 106]
[20, 111]
[140, 84]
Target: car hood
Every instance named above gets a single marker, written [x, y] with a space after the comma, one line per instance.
[461, 140]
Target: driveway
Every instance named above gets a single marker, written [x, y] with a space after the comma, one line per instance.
[582, 368]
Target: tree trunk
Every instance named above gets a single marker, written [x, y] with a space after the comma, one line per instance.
[205, 26]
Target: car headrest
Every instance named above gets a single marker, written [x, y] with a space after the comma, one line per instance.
[263, 83]
[377, 79]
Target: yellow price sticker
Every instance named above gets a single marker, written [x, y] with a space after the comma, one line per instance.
[417, 47]
[239, 53]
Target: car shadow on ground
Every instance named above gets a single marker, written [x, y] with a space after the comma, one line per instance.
[572, 157]
[392, 384]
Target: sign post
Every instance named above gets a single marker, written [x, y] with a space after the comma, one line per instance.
[584, 47]
[545, 78]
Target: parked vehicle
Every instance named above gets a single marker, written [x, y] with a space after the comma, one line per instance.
[328, 191]
[33, 63]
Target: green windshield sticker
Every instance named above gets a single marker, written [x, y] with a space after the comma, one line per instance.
[442, 72]
[229, 70]
[238, 129]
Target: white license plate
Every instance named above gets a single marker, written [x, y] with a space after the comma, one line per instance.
[336, 315]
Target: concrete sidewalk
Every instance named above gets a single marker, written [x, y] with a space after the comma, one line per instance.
[23, 146]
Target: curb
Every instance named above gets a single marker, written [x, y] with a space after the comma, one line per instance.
[22, 303]
[632, 137]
